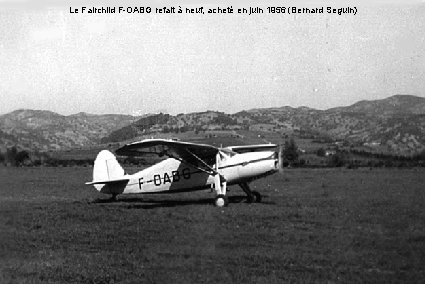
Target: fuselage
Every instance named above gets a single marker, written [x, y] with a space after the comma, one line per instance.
[174, 175]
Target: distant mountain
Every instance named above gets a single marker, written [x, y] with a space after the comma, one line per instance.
[398, 104]
[46, 130]
[397, 123]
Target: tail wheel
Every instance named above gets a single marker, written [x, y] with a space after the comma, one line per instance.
[114, 197]
[221, 201]
[257, 196]
[251, 198]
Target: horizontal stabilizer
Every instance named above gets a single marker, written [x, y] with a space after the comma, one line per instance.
[118, 180]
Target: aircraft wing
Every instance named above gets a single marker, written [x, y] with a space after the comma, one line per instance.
[201, 156]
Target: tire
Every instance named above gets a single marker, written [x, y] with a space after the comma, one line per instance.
[221, 201]
[251, 198]
[257, 197]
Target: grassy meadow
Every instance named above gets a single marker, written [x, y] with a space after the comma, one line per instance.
[314, 225]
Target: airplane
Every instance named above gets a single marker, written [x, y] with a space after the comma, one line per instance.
[188, 167]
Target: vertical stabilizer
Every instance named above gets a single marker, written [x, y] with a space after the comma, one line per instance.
[106, 168]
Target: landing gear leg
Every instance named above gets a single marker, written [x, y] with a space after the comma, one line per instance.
[252, 196]
[220, 186]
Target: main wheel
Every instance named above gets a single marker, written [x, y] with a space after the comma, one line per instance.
[221, 201]
[257, 196]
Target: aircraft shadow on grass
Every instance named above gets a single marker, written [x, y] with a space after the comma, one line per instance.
[145, 203]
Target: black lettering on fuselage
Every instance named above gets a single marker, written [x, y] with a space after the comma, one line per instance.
[186, 174]
[140, 183]
[167, 178]
[157, 180]
[175, 175]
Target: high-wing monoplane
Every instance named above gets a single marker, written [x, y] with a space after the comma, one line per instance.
[188, 167]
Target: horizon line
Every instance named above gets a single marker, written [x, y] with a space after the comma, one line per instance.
[208, 110]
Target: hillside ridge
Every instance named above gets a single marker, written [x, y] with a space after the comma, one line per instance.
[396, 121]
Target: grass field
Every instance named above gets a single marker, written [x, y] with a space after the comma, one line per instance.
[314, 225]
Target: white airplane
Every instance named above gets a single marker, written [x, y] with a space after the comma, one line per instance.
[189, 167]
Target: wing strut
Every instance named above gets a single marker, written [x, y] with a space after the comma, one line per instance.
[212, 171]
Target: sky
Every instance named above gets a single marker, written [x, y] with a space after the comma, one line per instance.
[52, 59]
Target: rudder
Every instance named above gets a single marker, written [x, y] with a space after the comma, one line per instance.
[106, 168]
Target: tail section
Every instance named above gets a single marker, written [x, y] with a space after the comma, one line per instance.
[107, 171]
[106, 167]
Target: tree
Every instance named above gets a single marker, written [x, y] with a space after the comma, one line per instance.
[14, 157]
[290, 153]
[321, 152]
[11, 156]
[21, 157]
[337, 160]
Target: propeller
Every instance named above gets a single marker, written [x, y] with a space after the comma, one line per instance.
[280, 161]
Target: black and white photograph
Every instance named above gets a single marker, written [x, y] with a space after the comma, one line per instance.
[212, 142]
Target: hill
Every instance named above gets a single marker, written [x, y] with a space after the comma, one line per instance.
[395, 124]
[398, 104]
[46, 130]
